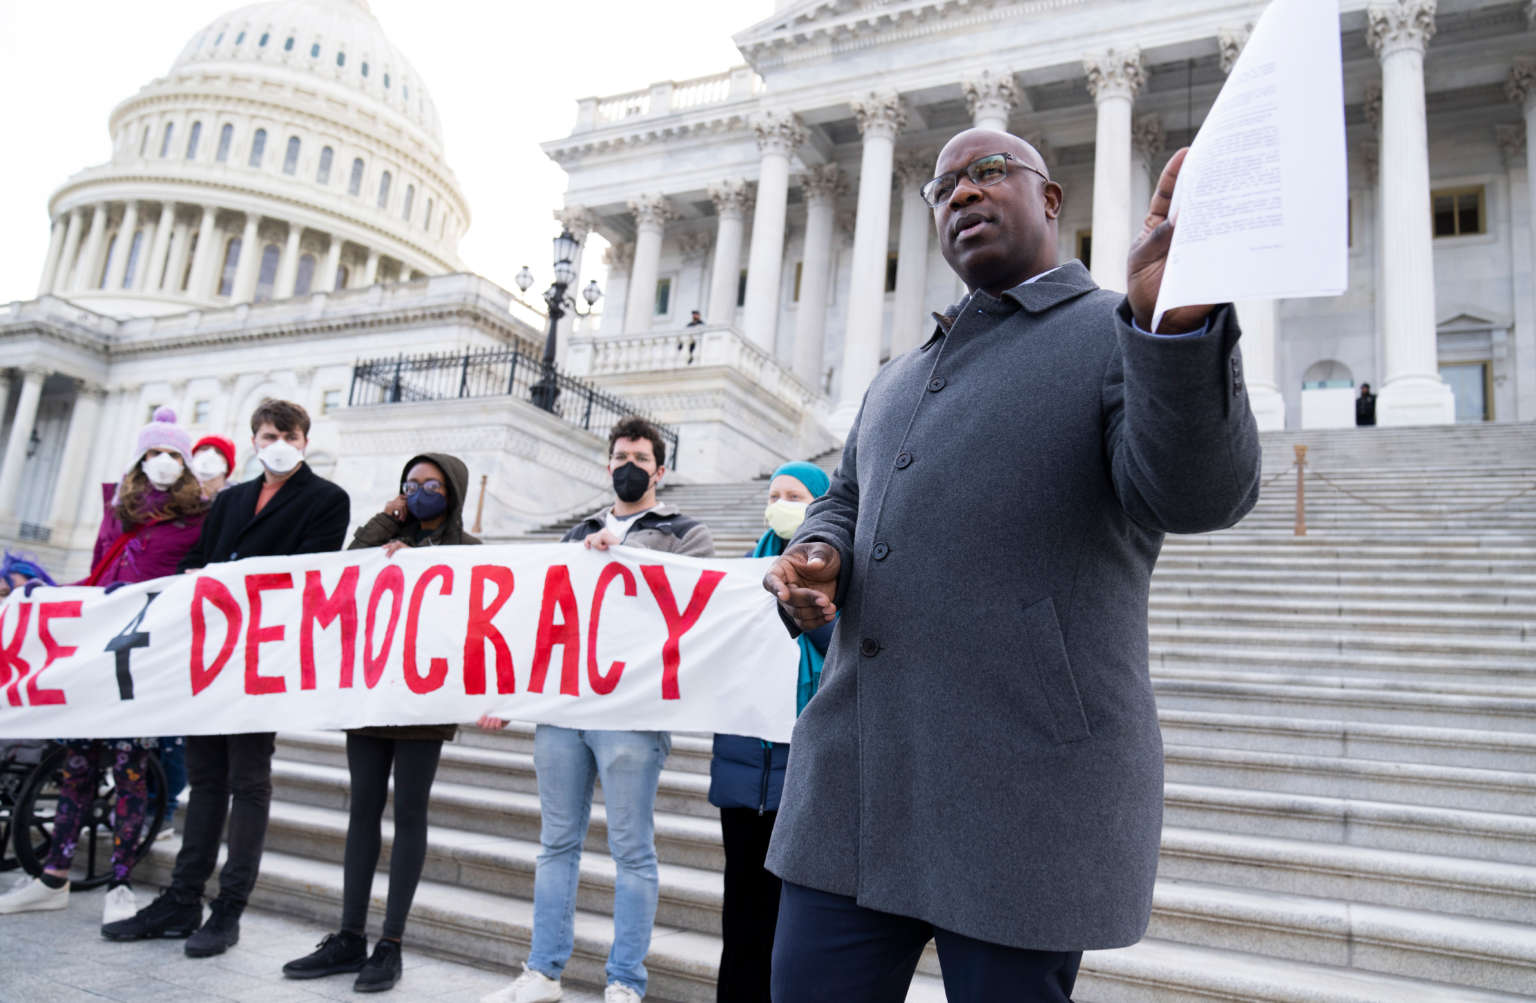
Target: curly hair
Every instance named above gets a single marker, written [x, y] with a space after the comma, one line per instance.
[132, 506]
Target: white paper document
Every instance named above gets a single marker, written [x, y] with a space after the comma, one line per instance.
[1261, 205]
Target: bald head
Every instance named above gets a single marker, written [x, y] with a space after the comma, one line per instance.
[999, 233]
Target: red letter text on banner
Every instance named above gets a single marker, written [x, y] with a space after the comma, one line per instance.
[54, 650]
[211, 590]
[604, 682]
[321, 610]
[567, 633]
[256, 683]
[13, 668]
[391, 580]
[437, 668]
[479, 630]
[677, 624]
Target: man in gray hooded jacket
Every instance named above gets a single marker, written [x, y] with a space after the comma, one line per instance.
[982, 765]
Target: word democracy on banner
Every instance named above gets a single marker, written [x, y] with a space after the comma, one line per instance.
[549, 633]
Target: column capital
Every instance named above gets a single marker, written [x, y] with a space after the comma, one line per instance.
[653, 209]
[693, 245]
[1231, 42]
[578, 220]
[913, 169]
[1148, 137]
[822, 185]
[90, 388]
[990, 91]
[619, 256]
[1398, 25]
[731, 197]
[778, 132]
[34, 371]
[880, 113]
[1520, 85]
[1511, 140]
[1115, 73]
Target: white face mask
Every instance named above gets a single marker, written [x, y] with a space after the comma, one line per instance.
[162, 469]
[209, 464]
[280, 456]
[785, 516]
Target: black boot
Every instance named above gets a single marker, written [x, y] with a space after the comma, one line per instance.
[382, 970]
[337, 953]
[166, 916]
[221, 932]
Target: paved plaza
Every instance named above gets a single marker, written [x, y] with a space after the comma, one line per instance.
[59, 957]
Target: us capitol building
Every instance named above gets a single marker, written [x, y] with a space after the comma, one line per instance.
[278, 218]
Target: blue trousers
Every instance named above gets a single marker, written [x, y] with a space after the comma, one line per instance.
[830, 949]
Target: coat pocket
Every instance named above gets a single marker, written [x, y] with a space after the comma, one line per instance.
[1053, 672]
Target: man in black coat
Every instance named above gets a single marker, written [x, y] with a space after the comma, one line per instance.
[289, 510]
[982, 765]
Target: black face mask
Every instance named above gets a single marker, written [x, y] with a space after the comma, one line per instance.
[630, 482]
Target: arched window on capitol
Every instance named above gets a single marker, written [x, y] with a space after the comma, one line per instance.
[306, 275]
[323, 173]
[355, 183]
[193, 136]
[231, 263]
[106, 263]
[410, 198]
[343, 276]
[383, 189]
[134, 247]
[226, 136]
[426, 224]
[291, 157]
[266, 278]
[258, 147]
[165, 144]
[144, 143]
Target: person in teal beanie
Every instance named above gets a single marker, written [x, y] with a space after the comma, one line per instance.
[746, 775]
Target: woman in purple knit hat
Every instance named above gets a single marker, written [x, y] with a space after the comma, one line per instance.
[152, 518]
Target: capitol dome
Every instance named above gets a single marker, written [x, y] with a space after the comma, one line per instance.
[290, 149]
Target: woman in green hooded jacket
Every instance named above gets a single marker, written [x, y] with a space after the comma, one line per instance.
[428, 512]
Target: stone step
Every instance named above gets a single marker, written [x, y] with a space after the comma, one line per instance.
[1172, 621]
[1451, 580]
[1489, 594]
[1454, 886]
[1160, 971]
[1477, 749]
[1285, 608]
[1480, 835]
[1176, 650]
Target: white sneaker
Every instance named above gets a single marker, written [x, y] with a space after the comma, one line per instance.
[119, 905]
[34, 896]
[529, 987]
[618, 992]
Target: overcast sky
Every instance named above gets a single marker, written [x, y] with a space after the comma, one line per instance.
[505, 77]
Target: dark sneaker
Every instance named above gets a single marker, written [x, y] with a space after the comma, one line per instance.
[337, 953]
[221, 932]
[382, 970]
[166, 916]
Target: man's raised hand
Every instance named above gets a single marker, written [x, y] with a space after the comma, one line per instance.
[804, 581]
[1149, 256]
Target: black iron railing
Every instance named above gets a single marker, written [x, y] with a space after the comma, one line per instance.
[493, 372]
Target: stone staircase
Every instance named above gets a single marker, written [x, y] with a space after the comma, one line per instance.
[1350, 729]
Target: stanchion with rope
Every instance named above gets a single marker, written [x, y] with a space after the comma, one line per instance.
[1301, 490]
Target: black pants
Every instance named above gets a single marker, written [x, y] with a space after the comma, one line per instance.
[830, 949]
[415, 764]
[222, 769]
[751, 909]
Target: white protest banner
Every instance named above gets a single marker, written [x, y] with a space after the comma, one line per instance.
[551, 633]
[1261, 207]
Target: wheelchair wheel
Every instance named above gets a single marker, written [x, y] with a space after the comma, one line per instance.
[33, 817]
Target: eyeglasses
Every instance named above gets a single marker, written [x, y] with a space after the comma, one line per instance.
[638, 459]
[433, 487]
[984, 173]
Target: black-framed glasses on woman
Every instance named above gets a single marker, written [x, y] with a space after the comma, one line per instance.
[431, 487]
[983, 172]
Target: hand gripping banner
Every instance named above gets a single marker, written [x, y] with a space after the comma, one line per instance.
[549, 633]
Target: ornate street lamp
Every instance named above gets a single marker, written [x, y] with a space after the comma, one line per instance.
[547, 390]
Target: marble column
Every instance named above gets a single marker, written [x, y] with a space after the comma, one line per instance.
[119, 266]
[651, 214]
[732, 199]
[56, 234]
[991, 97]
[880, 116]
[822, 186]
[909, 320]
[1147, 144]
[84, 418]
[1412, 393]
[370, 269]
[778, 134]
[205, 257]
[1114, 79]
[16, 445]
[249, 264]
[118, 413]
[326, 280]
[88, 269]
[1260, 321]
[64, 280]
[618, 259]
[152, 275]
[288, 268]
[1521, 88]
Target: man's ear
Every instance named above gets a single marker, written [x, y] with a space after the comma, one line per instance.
[1053, 197]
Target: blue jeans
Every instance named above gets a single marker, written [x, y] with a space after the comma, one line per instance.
[567, 760]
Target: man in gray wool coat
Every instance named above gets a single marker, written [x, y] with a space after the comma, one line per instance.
[982, 765]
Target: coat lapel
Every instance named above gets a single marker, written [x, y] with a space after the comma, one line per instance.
[284, 497]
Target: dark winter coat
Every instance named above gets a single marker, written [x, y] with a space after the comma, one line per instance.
[661, 528]
[984, 753]
[154, 552]
[384, 528]
[307, 515]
